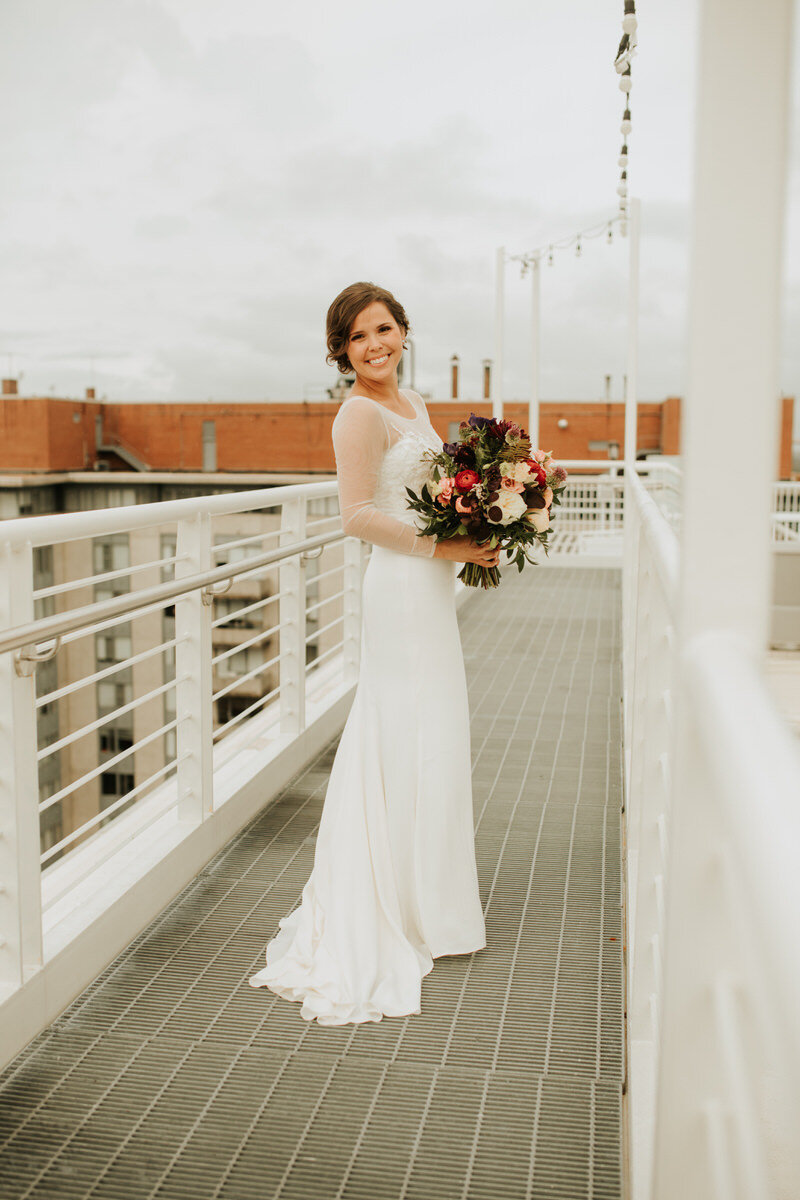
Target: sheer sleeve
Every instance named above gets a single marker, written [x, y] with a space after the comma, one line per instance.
[360, 439]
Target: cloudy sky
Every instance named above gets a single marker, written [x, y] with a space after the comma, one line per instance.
[188, 184]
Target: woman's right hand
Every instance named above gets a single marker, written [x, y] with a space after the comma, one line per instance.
[465, 549]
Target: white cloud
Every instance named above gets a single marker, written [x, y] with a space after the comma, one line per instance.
[188, 185]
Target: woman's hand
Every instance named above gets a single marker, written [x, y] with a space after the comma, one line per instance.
[467, 550]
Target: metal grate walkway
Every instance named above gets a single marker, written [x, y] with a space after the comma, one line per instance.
[172, 1077]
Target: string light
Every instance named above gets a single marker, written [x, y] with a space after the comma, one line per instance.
[530, 257]
[622, 65]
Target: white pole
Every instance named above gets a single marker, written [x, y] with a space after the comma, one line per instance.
[533, 407]
[730, 423]
[633, 335]
[499, 304]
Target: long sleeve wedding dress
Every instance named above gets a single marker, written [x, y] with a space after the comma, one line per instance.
[394, 882]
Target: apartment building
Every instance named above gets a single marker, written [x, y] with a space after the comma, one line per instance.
[62, 455]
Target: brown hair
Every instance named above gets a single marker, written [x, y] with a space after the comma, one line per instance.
[343, 312]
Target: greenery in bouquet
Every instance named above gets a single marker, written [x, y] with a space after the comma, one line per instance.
[490, 484]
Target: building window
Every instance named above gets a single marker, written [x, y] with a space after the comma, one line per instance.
[113, 647]
[111, 554]
[114, 741]
[111, 696]
[209, 446]
[225, 606]
[324, 506]
[243, 661]
[51, 825]
[229, 707]
[114, 784]
[223, 555]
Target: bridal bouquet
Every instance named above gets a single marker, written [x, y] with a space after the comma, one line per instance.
[492, 485]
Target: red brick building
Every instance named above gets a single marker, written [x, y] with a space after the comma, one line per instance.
[47, 434]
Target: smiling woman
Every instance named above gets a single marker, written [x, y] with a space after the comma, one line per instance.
[345, 333]
[394, 883]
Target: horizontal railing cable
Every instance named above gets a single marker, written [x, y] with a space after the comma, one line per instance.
[59, 589]
[96, 676]
[48, 628]
[108, 763]
[107, 718]
[239, 679]
[107, 812]
[247, 712]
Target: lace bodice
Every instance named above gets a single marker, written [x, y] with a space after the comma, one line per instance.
[378, 454]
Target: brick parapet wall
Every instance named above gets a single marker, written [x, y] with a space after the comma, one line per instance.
[48, 434]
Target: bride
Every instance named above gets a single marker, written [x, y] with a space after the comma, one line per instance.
[394, 883]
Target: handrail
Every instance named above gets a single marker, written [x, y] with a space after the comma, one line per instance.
[735, 712]
[662, 538]
[101, 522]
[50, 628]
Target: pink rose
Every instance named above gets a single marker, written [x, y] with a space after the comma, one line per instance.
[548, 496]
[446, 493]
[539, 455]
[511, 485]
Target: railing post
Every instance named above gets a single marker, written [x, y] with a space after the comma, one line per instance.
[193, 703]
[740, 158]
[354, 555]
[293, 622]
[499, 332]
[20, 844]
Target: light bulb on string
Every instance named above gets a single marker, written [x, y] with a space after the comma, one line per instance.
[626, 125]
[629, 22]
[610, 236]
[550, 257]
[578, 248]
[625, 81]
[622, 189]
[622, 161]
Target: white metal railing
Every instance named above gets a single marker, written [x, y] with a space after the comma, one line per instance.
[738, 865]
[173, 689]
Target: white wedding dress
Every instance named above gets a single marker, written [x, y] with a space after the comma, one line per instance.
[394, 883]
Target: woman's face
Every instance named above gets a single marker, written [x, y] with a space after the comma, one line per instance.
[375, 344]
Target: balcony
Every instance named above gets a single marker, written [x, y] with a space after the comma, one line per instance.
[138, 1059]
[631, 1027]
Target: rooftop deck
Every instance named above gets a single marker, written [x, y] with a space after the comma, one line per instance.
[171, 1077]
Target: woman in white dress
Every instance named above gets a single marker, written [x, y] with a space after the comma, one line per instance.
[394, 883]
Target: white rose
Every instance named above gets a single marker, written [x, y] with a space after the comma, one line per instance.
[539, 519]
[518, 471]
[511, 504]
